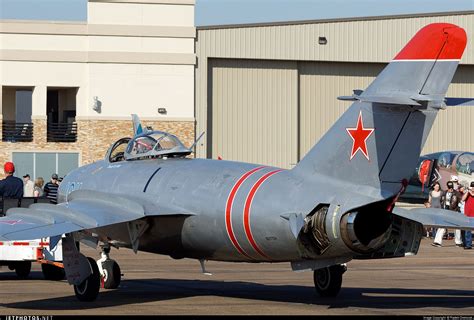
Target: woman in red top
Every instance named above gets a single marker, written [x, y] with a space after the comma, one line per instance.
[468, 199]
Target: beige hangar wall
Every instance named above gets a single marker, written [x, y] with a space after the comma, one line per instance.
[357, 50]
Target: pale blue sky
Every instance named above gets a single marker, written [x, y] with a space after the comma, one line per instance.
[212, 12]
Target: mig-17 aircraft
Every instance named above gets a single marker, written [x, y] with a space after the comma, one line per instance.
[335, 205]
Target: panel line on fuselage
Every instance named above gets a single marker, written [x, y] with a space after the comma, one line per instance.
[151, 177]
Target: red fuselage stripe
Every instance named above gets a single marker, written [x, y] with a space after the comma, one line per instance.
[228, 210]
[248, 205]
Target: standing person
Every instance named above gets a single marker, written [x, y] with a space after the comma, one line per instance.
[28, 187]
[468, 199]
[435, 194]
[459, 239]
[455, 181]
[11, 187]
[434, 201]
[38, 190]
[449, 201]
[51, 189]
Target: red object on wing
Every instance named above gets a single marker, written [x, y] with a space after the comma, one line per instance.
[423, 173]
[442, 41]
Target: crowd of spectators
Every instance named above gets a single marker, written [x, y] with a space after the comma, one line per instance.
[458, 198]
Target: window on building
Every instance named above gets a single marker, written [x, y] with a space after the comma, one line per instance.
[44, 164]
[61, 111]
[16, 112]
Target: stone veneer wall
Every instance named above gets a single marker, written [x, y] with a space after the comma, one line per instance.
[94, 137]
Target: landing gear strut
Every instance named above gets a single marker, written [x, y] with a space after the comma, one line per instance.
[328, 281]
[109, 270]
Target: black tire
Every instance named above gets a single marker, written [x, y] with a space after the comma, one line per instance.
[89, 288]
[328, 281]
[51, 272]
[22, 269]
[112, 275]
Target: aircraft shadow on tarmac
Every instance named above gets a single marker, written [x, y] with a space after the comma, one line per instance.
[149, 290]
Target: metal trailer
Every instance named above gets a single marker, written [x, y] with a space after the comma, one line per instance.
[19, 255]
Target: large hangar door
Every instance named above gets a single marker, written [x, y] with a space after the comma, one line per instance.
[320, 85]
[254, 111]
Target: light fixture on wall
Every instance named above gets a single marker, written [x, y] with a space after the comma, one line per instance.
[97, 104]
[322, 41]
[162, 111]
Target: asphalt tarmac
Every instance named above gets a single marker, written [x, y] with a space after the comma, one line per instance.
[438, 281]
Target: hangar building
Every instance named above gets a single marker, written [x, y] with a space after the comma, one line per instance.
[265, 93]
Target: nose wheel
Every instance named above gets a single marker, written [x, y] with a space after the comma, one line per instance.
[328, 281]
[109, 270]
[111, 275]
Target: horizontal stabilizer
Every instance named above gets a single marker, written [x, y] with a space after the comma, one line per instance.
[437, 218]
[460, 102]
[398, 100]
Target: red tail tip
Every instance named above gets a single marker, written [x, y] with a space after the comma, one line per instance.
[441, 41]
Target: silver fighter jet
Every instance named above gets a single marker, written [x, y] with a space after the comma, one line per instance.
[336, 205]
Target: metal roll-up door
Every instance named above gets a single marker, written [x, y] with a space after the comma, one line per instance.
[320, 85]
[253, 111]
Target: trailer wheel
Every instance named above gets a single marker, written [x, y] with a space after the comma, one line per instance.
[22, 269]
[89, 288]
[112, 275]
[51, 272]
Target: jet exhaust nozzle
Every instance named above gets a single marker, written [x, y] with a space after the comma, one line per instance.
[365, 231]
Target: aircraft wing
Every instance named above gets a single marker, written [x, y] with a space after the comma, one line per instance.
[438, 218]
[84, 210]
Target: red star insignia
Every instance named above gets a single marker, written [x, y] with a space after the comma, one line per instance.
[359, 135]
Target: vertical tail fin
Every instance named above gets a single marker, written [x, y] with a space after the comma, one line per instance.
[378, 140]
[137, 126]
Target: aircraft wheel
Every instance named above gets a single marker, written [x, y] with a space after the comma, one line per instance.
[111, 275]
[51, 272]
[328, 281]
[22, 269]
[89, 288]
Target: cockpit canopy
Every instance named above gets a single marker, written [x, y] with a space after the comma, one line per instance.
[154, 144]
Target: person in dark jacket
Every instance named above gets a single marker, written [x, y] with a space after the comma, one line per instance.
[51, 189]
[449, 201]
[11, 187]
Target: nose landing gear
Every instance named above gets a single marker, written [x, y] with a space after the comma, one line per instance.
[109, 270]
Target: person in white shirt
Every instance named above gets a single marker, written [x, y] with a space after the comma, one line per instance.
[28, 186]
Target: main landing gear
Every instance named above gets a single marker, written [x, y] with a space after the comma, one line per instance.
[88, 289]
[105, 273]
[86, 274]
[328, 281]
